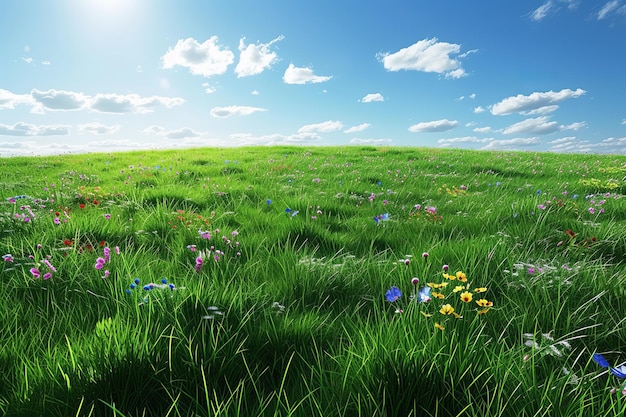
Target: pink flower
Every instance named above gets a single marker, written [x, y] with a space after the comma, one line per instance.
[592, 210]
[35, 272]
[425, 255]
[47, 275]
[415, 281]
[107, 216]
[445, 268]
[57, 220]
[117, 250]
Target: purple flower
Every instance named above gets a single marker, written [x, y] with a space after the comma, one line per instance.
[47, 275]
[107, 254]
[35, 272]
[592, 210]
[57, 220]
[8, 258]
[541, 207]
[106, 273]
[49, 265]
[531, 271]
[107, 216]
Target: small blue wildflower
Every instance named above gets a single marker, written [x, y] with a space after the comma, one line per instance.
[538, 192]
[132, 287]
[423, 295]
[147, 287]
[268, 201]
[575, 196]
[498, 184]
[127, 291]
[287, 210]
[164, 281]
[393, 294]
[618, 372]
[137, 281]
[171, 287]
[380, 183]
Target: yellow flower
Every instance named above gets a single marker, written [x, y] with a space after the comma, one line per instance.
[484, 303]
[466, 296]
[439, 326]
[435, 286]
[481, 312]
[458, 288]
[437, 295]
[450, 277]
[457, 315]
[461, 276]
[480, 289]
[446, 309]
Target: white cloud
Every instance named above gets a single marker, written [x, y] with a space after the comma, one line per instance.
[206, 59]
[185, 132]
[255, 93]
[359, 141]
[542, 11]
[230, 111]
[427, 55]
[479, 109]
[540, 126]
[302, 75]
[254, 59]
[511, 144]
[9, 100]
[533, 101]
[58, 100]
[541, 110]
[434, 126]
[537, 125]
[358, 128]
[182, 133]
[462, 139]
[609, 6]
[27, 129]
[485, 129]
[247, 139]
[372, 97]
[208, 88]
[472, 96]
[131, 103]
[97, 128]
[327, 126]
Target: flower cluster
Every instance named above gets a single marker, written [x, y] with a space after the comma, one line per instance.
[449, 300]
[147, 288]
[619, 372]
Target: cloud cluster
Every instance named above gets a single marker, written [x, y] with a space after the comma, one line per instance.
[27, 129]
[60, 100]
[302, 75]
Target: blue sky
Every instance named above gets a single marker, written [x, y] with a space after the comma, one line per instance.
[105, 75]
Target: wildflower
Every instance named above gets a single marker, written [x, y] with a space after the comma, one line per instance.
[57, 220]
[531, 271]
[35, 272]
[393, 294]
[541, 207]
[47, 275]
[458, 288]
[445, 268]
[106, 274]
[618, 372]
[446, 309]
[437, 286]
[450, 277]
[49, 265]
[107, 254]
[480, 289]
[8, 258]
[484, 303]
[199, 263]
[414, 280]
[591, 210]
[482, 312]
[461, 276]
[423, 295]
[466, 297]
[438, 295]
[67, 242]
[268, 201]
[439, 326]
[191, 247]
[81, 205]
[107, 216]
[117, 250]
[425, 255]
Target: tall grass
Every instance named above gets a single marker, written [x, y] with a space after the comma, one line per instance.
[285, 314]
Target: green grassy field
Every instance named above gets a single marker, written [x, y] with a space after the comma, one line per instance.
[260, 282]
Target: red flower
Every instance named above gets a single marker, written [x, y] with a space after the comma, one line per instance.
[68, 242]
[102, 243]
[81, 205]
[95, 202]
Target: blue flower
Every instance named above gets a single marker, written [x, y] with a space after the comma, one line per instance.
[164, 281]
[618, 372]
[268, 201]
[393, 294]
[423, 295]
[137, 281]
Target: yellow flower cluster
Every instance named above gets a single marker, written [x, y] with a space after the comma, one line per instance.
[465, 293]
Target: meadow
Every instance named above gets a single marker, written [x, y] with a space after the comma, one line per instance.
[324, 281]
